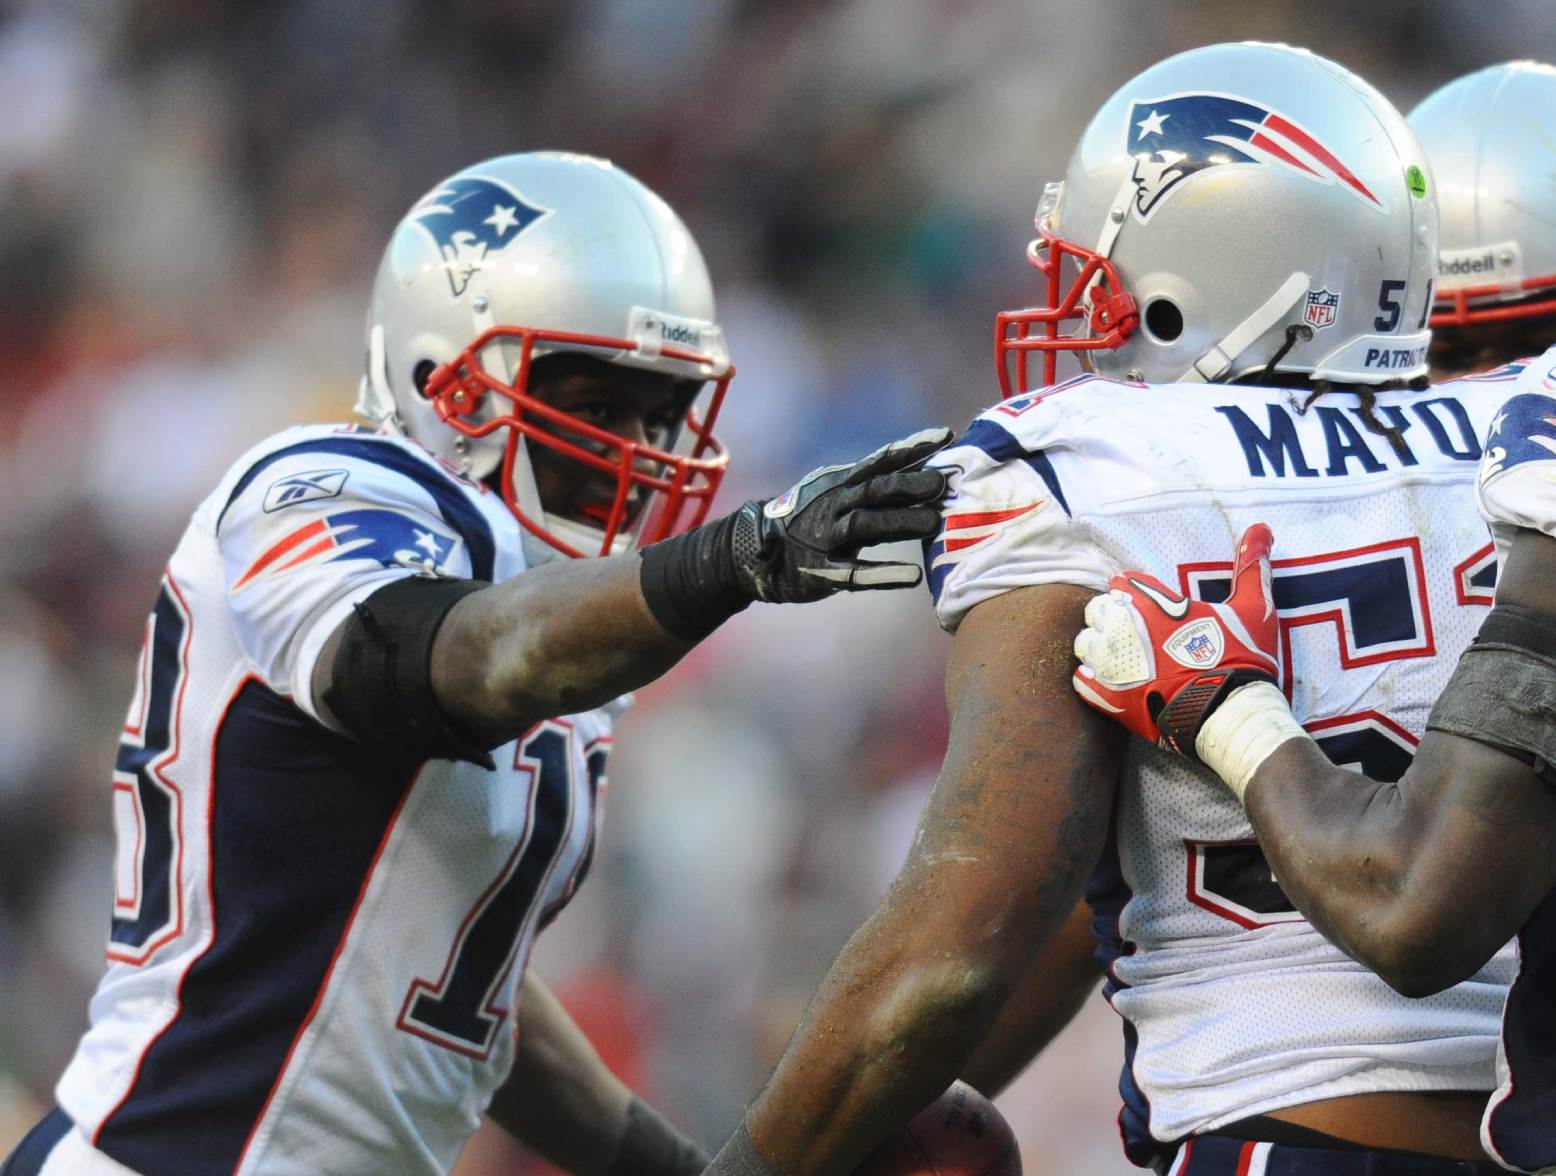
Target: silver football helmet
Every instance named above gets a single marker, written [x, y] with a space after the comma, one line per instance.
[1491, 137]
[1235, 208]
[525, 256]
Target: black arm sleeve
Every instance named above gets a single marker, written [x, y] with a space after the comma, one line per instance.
[381, 683]
[1503, 691]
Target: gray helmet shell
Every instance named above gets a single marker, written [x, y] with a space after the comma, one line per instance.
[546, 241]
[1239, 190]
[1491, 137]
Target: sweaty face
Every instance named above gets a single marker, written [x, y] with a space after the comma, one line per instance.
[639, 406]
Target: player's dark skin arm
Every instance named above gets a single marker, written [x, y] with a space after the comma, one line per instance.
[571, 635]
[565, 637]
[1064, 974]
[1425, 879]
[560, 1101]
[1005, 844]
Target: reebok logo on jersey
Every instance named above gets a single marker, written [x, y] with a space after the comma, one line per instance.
[305, 487]
[383, 536]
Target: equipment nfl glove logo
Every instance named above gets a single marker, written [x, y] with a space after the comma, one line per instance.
[1197, 646]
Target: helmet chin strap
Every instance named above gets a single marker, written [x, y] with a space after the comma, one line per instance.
[375, 402]
[585, 538]
[1215, 362]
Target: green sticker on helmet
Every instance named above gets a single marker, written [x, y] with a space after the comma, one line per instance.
[1416, 179]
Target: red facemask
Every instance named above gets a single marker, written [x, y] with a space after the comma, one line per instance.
[1095, 295]
[1452, 307]
[676, 490]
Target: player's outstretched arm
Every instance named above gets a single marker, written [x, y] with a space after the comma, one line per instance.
[574, 634]
[1422, 879]
[1055, 986]
[1005, 844]
[563, 1104]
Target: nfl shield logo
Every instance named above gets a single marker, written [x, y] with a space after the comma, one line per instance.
[1322, 308]
[1200, 648]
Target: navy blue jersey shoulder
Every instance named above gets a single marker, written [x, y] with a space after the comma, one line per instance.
[452, 504]
[1001, 445]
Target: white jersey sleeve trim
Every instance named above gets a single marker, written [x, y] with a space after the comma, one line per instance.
[1005, 520]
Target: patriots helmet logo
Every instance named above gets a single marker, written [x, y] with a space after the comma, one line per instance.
[1181, 135]
[470, 218]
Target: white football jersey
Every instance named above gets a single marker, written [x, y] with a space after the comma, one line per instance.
[315, 946]
[1517, 490]
[1383, 570]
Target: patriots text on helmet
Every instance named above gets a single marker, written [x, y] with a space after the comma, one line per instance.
[1394, 357]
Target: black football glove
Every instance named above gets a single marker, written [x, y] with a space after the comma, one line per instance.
[804, 544]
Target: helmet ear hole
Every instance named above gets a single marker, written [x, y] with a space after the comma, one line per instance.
[1163, 320]
[420, 374]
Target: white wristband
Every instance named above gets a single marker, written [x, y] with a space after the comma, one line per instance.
[1253, 721]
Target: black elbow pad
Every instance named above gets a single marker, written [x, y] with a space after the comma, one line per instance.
[1503, 691]
[381, 683]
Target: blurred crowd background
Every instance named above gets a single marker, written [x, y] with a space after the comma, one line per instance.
[193, 195]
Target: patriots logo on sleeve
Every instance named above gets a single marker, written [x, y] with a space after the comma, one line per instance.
[960, 531]
[1523, 430]
[385, 537]
[1181, 135]
[470, 218]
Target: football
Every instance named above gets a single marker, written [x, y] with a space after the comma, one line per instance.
[959, 1134]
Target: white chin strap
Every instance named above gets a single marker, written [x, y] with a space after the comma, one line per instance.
[1214, 363]
[375, 403]
[582, 537]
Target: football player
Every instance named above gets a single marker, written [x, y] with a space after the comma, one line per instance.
[1491, 138]
[362, 765]
[1425, 878]
[1496, 305]
[1242, 252]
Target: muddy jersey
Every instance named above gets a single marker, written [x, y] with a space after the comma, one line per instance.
[315, 946]
[1233, 1005]
[1517, 490]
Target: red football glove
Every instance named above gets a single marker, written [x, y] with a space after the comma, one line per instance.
[1161, 663]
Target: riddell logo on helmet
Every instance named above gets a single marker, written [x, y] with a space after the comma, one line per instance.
[676, 333]
[1474, 263]
[1460, 267]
